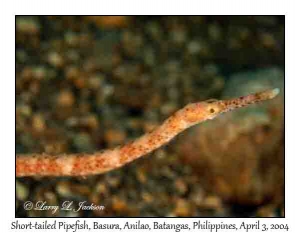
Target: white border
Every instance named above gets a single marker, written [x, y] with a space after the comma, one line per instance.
[10, 8]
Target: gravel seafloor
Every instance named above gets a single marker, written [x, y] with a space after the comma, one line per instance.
[89, 83]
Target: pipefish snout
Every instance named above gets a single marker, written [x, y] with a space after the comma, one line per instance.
[242, 101]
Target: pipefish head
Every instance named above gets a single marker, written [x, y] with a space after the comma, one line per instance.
[205, 110]
[213, 107]
[209, 109]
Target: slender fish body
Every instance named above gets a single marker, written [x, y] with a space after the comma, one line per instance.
[101, 162]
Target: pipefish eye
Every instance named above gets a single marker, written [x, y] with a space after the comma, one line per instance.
[212, 108]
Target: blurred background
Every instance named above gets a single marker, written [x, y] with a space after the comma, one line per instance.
[85, 83]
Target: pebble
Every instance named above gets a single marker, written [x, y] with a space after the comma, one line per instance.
[72, 72]
[26, 73]
[55, 59]
[118, 204]
[63, 189]
[90, 121]
[211, 202]
[215, 32]
[80, 82]
[27, 25]
[147, 197]
[101, 188]
[72, 56]
[51, 198]
[81, 189]
[22, 191]
[114, 136]
[141, 175]
[194, 47]
[181, 186]
[182, 209]
[65, 99]
[71, 39]
[95, 82]
[39, 72]
[83, 143]
[38, 123]
[113, 181]
[24, 109]
[268, 40]
[21, 55]
[109, 21]
[266, 211]
[179, 36]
